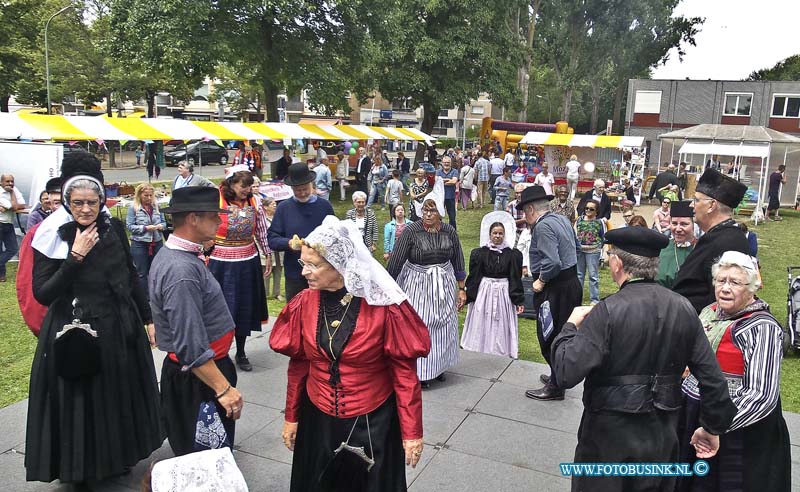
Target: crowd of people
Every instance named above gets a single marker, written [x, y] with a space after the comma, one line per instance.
[363, 339]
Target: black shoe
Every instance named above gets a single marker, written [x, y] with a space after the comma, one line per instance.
[546, 393]
[544, 378]
[425, 384]
[244, 363]
[441, 377]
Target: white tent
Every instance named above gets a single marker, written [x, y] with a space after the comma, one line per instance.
[738, 141]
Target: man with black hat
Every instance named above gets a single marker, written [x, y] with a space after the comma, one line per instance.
[193, 324]
[294, 219]
[553, 259]
[681, 242]
[632, 348]
[714, 200]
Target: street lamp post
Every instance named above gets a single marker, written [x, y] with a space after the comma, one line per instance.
[47, 58]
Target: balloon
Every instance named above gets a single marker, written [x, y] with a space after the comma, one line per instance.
[352, 151]
[347, 145]
[589, 167]
[355, 145]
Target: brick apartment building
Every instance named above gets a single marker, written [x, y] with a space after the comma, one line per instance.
[656, 107]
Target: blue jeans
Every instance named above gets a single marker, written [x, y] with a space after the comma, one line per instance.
[450, 207]
[10, 246]
[376, 194]
[142, 260]
[501, 202]
[590, 262]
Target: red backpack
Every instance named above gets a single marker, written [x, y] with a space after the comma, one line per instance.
[32, 312]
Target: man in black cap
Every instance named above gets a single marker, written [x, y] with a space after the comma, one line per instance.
[681, 242]
[714, 200]
[632, 349]
[294, 219]
[553, 259]
[193, 324]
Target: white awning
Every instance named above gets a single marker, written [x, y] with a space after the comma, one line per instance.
[760, 151]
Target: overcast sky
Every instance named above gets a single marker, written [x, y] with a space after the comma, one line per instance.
[738, 37]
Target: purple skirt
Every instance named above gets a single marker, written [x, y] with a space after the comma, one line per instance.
[491, 324]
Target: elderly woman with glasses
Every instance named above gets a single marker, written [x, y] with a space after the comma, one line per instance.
[748, 342]
[428, 262]
[597, 194]
[590, 231]
[353, 400]
[94, 405]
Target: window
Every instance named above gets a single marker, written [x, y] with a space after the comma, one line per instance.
[647, 102]
[737, 104]
[786, 105]
[443, 113]
[477, 110]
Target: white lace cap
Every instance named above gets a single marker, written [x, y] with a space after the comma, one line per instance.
[342, 245]
[213, 470]
[505, 218]
[230, 171]
[437, 195]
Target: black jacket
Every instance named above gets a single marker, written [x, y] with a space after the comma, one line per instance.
[603, 211]
[631, 349]
[662, 180]
[694, 278]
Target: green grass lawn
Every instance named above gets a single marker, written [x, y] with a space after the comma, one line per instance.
[777, 250]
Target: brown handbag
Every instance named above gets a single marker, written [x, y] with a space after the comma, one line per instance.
[125, 189]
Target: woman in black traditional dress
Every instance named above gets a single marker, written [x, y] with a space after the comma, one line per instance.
[494, 290]
[353, 340]
[94, 405]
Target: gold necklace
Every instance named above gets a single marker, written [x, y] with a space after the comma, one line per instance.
[347, 299]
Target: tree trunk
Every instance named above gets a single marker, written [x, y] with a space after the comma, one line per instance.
[525, 70]
[4, 103]
[150, 96]
[567, 104]
[430, 113]
[619, 124]
[595, 94]
[270, 100]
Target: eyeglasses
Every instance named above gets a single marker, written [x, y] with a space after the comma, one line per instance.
[303, 264]
[429, 211]
[591, 209]
[734, 284]
[79, 204]
[627, 216]
[695, 200]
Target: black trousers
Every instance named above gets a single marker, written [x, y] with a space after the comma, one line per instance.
[562, 294]
[294, 286]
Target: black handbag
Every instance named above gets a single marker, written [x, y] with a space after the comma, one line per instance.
[349, 467]
[76, 350]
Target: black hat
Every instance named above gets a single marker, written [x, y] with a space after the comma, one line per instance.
[80, 163]
[639, 241]
[681, 209]
[299, 174]
[53, 185]
[194, 199]
[532, 194]
[721, 187]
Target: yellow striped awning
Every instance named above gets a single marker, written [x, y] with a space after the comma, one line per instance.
[57, 127]
[572, 140]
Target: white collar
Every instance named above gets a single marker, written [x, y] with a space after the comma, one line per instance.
[47, 241]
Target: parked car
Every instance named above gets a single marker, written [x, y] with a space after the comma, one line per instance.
[210, 152]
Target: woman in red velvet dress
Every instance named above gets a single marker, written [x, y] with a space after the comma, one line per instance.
[353, 340]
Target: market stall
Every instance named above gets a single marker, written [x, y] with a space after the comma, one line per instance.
[754, 152]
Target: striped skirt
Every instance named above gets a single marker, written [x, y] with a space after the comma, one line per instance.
[431, 290]
[491, 324]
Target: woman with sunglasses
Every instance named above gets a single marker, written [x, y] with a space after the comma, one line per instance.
[353, 339]
[590, 231]
[661, 217]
